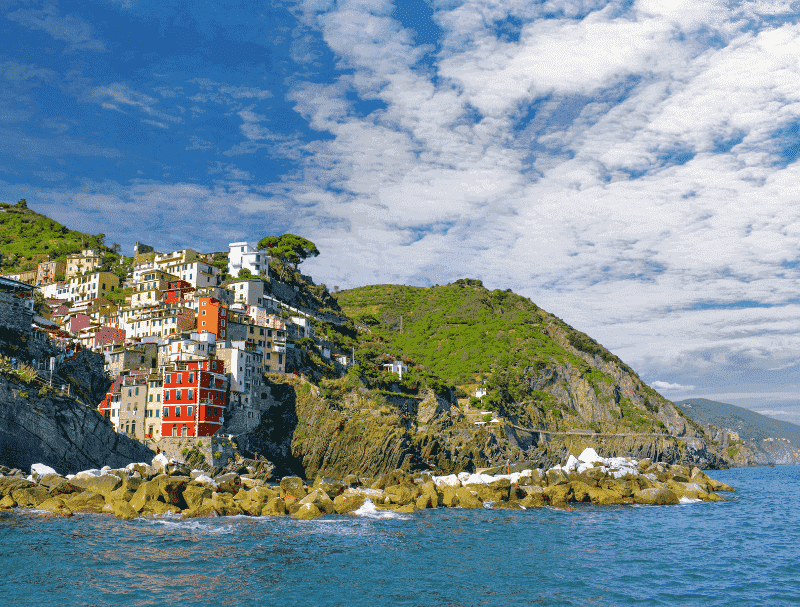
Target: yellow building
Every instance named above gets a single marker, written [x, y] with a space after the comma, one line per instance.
[85, 261]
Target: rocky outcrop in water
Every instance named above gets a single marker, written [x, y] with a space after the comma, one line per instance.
[168, 487]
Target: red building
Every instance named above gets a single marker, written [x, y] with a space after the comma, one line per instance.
[177, 291]
[212, 316]
[194, 398]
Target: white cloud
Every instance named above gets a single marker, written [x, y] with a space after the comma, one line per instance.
[662, 385]
[118, 94]
[68, 28]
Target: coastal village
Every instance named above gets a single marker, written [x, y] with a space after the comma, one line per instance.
[188, 338]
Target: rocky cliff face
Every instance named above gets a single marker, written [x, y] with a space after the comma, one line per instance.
[60, 432]
[38, 425]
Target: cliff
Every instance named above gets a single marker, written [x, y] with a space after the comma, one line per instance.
[40, 425]
[552, 391]
[59, 432]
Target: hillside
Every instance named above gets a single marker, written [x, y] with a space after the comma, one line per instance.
[27, 238]
[749, 424]
[551, 388]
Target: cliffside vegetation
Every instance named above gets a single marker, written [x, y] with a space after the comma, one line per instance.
[28, 238]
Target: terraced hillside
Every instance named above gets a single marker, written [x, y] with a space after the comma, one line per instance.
[28, 238]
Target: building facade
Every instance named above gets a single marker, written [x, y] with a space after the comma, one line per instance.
[194, 398]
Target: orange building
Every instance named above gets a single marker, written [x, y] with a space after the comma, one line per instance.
[212, 316]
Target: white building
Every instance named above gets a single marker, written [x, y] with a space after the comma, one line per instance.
[92, 286]
[396, 367]
[249, 291]
[244, 255]
[189, 265]
[55, 290]
[200, 345]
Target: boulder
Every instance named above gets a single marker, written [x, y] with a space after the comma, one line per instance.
[293, 486]
[655, 496]
[86, 502]
[224, 504]
[228, 483]
[321, 500]
[51, 480]
[39, 470]
[466, 499]
[195, 495]
[424, 501]
[56, 505]
[449, 499]
[275, 506]
[121, 509]
[64, 487]
[172, 488]
[10, 483]
[605, 496]
[535, 497]
[30, 497]
[556, 476]
[500, 489]
[348, 502]
[581, 491]
[147, 491]
[508, 505]
[206, 509]
[178, 469]
[402, 494]
[558, 495]
[330, 486]
[7, 502]
[307, 512]
[103, 484]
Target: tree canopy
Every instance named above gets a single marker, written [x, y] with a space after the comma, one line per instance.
[289, 250]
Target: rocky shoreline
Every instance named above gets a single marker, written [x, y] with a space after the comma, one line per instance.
[166, 486]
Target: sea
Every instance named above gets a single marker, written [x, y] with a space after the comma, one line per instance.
[745, 551]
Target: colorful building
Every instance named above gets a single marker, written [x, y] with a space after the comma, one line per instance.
[178, 291]
[194, 398]
[50, 272]
[212, 316]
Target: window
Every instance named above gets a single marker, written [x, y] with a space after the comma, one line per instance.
[177, 411]
[191, 378]
[151, 398]
[189, 411]
[191, 394]
[166, 394]
[137, 389]
[158, 398]
[178, 394]
[129, 392]
[157, 412]
[180, 378]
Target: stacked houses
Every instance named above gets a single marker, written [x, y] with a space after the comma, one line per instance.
[188, 354]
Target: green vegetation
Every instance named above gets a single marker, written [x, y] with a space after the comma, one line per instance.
[455, 336]
[288, 251]
[28, 238]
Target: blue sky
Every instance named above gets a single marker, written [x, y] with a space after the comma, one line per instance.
[632, 167]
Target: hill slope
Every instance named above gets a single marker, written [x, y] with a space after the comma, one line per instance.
[551, 387]
[27, 238]
[749, 424]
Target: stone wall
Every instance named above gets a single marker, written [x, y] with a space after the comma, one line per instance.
[14, 314]
[217, 450]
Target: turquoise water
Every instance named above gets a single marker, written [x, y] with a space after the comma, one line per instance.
[742, 552]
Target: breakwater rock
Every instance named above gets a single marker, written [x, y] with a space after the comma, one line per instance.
[165, 486]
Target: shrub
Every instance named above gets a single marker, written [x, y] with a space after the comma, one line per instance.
[487, 417]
